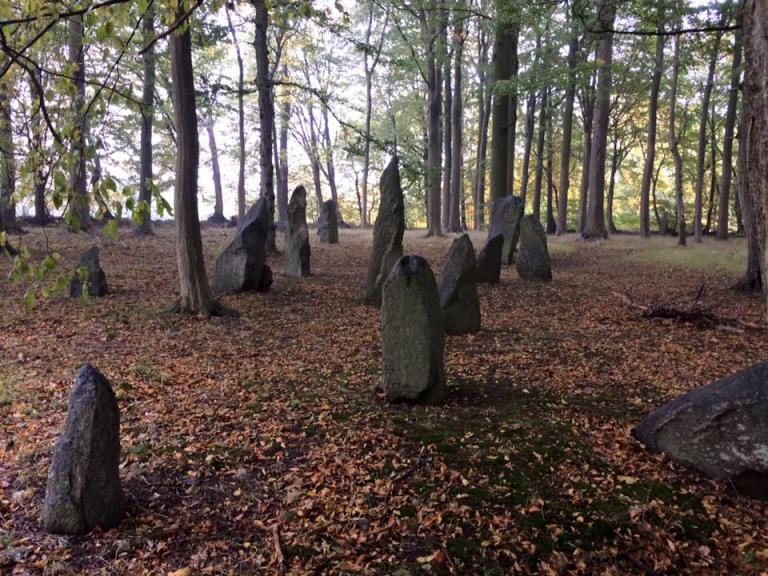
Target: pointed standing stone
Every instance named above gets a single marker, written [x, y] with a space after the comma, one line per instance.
[328, 226]
[297, 235]
[412, 334]
[458, 289]
[97, 280]
[387, 232]
[83, 489]
[506, 214]
[533, 258]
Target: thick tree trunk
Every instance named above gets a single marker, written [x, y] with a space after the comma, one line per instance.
[504, 59]
[7, 164]
[195, 292]
[38, 133]
[754, 137]
[447, 139]
[541, 140]
[674, 145]
[457, 132]
[147, 121]
[589, 114]
[752, 280]
[530, 113]
[282, 167]
[565, 152]
[218, 204]
[730, 124]
[485, 94]
[701, 151]
[595, 225]
[240, 121]
[79, 206]
[653, 107]
[434, 103]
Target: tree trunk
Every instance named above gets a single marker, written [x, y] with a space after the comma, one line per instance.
[330, 167]
[541, 140]
[615, 159]
[38, 134]
[755, 119]
[218, 205]
[712, 169]
[457, 131]
[752, 280]
[447, 137]
[530, 113]
[240, 121]
[674, 145]
[435, 103]
[79, 209]
[730, 124]
[314, 159]
[551, 223]
[484, 106]
[505, 51]
[565, 152]
[282, 167]
[589, 114]
[702, 143]
[195, 292]
[7, 163]
[653, 107]
[595, 225]
[147, 120]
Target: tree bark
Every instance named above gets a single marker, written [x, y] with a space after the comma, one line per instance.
[752, 280]
[266, 111]
[457, 131]
[551, 223]
[240, 121]
[434, 103]
[7, 164]
[447, 133]
[730, 124]
[615, 161]
[282, 167]
[147, 121]
[218, 204]
[565, 152]
[330, 167]
[485, 94]
[653, 107]
[314, 159]
[79, 209]
[595, 225]
[674, 145]
[541, 140]
[530, 113]
[589, 114]
[38, 134]
[713, 169]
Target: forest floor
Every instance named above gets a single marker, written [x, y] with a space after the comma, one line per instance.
[263, 445]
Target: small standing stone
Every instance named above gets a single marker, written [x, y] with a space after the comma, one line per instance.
[328, 226]
[241, 266]
[506, 214]
[412, 334]
[388, 233]
[83, 489]
[297, 235]
[533, 259]
[97, 280]
[489, 260]
[458, 289]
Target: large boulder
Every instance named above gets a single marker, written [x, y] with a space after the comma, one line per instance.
[489, 260]
[83, 489]
[506, 214]
[328, 226]
[458, 289]
[412, 334]
[297, 235]
[533, 258]
[94, 275]
[720, 429]
[388, 232]
[241, 266]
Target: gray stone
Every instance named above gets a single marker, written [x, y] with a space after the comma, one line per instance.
[388, 232]
[83, 489]
[458, 289]
[97, 280]
[241, 266]
[489, 260]
[412, 334]
[297, 235]
[533, 257]
[720, 429]
[328, 225]
[506, 214]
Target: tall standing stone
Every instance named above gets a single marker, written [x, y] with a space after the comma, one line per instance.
[458, 289]
[412, 334]
[388, 232]
[83, 489]
[533, 258]
[506, 214]
[489, 260]
[241, 266]
[297, 235]
[328, 226]
[97, 280]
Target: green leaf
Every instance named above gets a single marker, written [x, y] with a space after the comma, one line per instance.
[29, 299]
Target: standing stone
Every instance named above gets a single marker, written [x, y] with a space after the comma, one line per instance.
[720, 429]
[489, 260]
[506, 214]
[328, 226]
[297, 235]
[83, 489]
[388, 232]
[533, 258]
[97, 280]
[412, 334]
[241, 266]
[458, 289]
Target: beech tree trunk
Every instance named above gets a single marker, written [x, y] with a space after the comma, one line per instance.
[195, 292]
[457, 132]
[752, 280]
[485, 94]
[330, 167]
[38, 134]
[7, 164]
[589, 114]
[539, 176]
[314, 160]
[240, 121]
[653, 108]
[504, 58]
[713, 168]
[730, 125]
[147, 121]
[218, 204]
[551, 198]
[674, 145]
[565, 151]
[434, 108]
[595, 225]
[79, 205]
[447, 135]
[282, 167]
